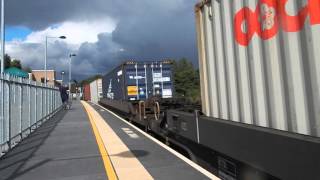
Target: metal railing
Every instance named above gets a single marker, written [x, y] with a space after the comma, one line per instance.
[24, 106]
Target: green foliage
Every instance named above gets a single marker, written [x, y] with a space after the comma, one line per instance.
[16, 63]
[7, 61]
[27, 69]
[186, 80]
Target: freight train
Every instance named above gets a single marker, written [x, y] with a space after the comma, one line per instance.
[142, 91]
[260, 89]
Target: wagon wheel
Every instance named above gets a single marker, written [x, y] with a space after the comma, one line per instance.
[156, 110]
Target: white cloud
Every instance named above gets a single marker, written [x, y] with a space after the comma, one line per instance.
[31, 50]
[76, 32]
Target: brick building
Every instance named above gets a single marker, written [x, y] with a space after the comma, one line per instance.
[39, 76]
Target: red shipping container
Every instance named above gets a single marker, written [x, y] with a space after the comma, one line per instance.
[86, 92]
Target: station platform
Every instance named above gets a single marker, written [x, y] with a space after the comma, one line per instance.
[91, 142]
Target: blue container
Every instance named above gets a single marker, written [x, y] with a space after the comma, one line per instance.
[134, 81]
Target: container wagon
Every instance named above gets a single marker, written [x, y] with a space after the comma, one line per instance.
[96, 90]
[86, 92]
[134, 81]
[260, 88]
[138, 89]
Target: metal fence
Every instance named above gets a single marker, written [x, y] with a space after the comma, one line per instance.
[24, 106]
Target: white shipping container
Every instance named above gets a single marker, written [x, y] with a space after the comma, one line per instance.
[260, 62]
[96, 90]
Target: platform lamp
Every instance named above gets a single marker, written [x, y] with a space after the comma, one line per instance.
[46, 54]
[62, 75]
[70, 63]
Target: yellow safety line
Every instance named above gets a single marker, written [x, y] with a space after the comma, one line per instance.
[104, 154]
[178, 155]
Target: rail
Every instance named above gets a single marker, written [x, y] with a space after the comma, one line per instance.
[24, 106]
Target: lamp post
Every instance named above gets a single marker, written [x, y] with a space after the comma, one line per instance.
[70, 62]
[2, 36]
[2, 124]
[62, 74]
[46, 55]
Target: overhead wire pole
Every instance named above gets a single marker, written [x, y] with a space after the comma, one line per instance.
[46, 55]
[45, 60]
[70, 63]
[70, 77]
[2, 136]
[62, 74]
[2, 36]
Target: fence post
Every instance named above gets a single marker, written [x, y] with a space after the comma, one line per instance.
[51, 103]
[2, 113]
[9, 111]
[54, 101]
[41, 116]
[44, 117]
[21, 106]
[46, 103]
[30, 104]
[35, 105]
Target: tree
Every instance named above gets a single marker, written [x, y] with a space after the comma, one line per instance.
[27, 69]
[186, 80]
[7, 61]
[16, 63]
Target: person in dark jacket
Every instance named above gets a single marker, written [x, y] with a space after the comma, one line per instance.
[64, 96]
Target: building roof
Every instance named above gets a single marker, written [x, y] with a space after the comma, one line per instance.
[43, 70]
[16, 72]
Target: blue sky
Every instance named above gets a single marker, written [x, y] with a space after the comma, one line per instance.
[16, 32]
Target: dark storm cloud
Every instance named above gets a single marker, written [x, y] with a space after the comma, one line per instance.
[105, 54]
[149, 35]
[39, 14]
[146, 29]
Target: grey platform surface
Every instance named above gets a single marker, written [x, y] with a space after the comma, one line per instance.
[65, 148]
[62, 148]
[160, 163]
